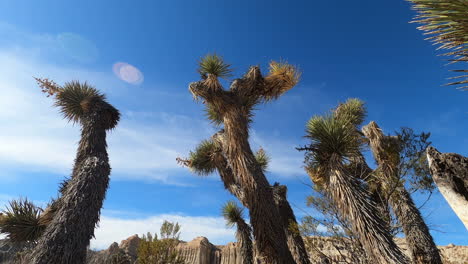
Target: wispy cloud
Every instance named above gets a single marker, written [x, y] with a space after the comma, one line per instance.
[37, 138]
[144, 147]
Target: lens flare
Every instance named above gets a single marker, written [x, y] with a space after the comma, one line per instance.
[128, 73]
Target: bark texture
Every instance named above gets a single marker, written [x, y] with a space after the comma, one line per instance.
[234, 108]
[355, 204]
[67, 237]
[244, 239]
[419, 239]
[450, 173]
[294, 239]
[295, 242]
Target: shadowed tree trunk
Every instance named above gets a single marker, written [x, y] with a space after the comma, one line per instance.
[295, 242]
[234, 217]
[67, 236]
[418, 237]
[450, 173]
[233, 109]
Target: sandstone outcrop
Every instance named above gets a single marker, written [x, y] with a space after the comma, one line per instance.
[201, 251]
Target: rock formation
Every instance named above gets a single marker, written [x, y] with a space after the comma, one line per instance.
[201, 251]
[450, 173]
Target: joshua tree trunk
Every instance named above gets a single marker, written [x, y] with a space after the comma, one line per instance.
[234, 110]
[295, 242]
[268, 231]
[67, 236]
[355, 204]
[420, 241]
[450, 173]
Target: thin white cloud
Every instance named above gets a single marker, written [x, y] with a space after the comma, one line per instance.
[143, 147]
[35, 137]
[114, 229]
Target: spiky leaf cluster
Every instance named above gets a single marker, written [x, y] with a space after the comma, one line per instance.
[281, 78]
[213, 115]
[214, 64]
[71, 97]
[201, 159]
[331, 137]
[232, 213]
[262, 159]
[20, 221]
[446, 21]
[352, 110]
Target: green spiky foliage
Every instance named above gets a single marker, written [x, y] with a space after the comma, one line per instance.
[282, 77]
[262, 159]
[352, 110]
[20, 221]
[232, 213]
[74, 100]
[446, 21]
[201, 159]
[331, 137]
[214, 64]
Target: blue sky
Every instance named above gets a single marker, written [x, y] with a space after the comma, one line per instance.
[344, 49]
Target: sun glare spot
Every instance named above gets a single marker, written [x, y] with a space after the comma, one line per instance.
[128, 73]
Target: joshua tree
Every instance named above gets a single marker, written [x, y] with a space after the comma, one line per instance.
[334, 146]
[234, 216]
[66, 238]
[386, 150]
[446, 21]
[233, 108]
[207, 158]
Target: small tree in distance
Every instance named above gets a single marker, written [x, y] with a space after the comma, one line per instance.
[163, 250]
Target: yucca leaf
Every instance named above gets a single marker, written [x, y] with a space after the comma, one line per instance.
[447, 21]
[201, 159]
[20, 221]
[214, 64]
[232, 213]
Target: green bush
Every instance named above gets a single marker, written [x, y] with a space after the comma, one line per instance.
[163, 250]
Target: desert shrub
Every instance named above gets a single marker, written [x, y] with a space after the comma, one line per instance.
[154, 250]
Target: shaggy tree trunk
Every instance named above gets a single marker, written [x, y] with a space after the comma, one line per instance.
[294, 239]
[244, 238]
[295, 242]
[355, 204]
[264, 217]
[419, 239]
[450, 173]
[67, 237]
